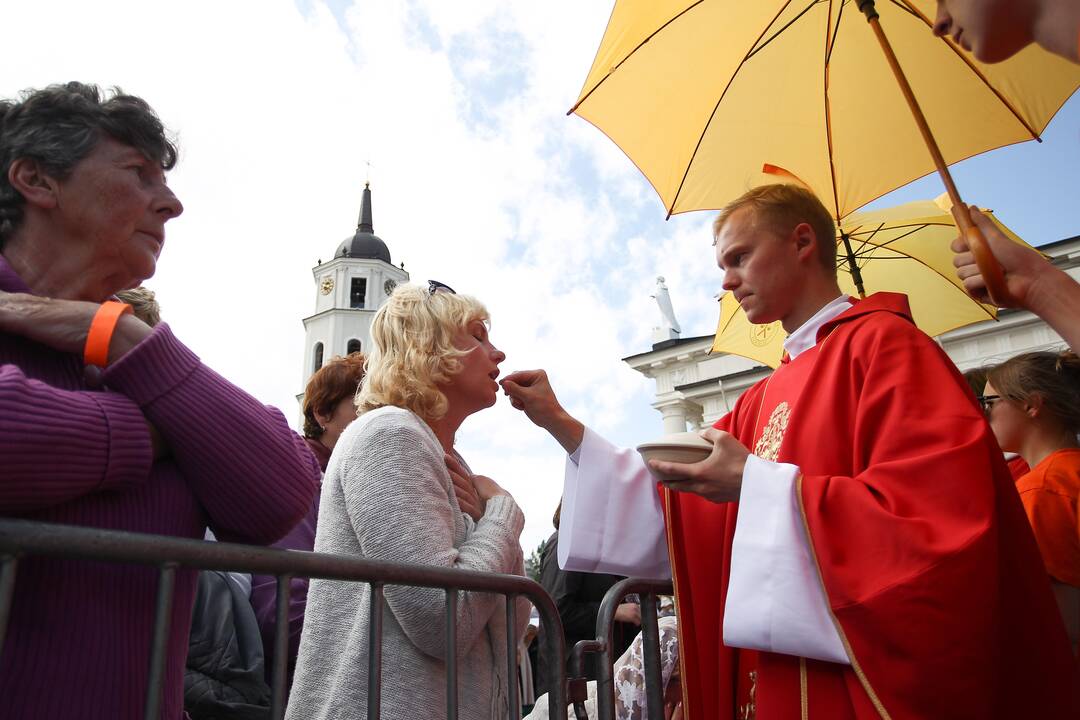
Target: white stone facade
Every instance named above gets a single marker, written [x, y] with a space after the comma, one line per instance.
[694, 389]
[336, 322]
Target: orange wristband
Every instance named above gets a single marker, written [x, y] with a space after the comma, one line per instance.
[101, 332]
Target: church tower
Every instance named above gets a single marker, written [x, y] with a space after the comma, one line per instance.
[348, 290]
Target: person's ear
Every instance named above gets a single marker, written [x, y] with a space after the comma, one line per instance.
[805, 240]
[1033, 405]
[322, 418]
[34, 183]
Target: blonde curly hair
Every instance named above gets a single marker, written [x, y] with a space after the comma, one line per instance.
[413, 339]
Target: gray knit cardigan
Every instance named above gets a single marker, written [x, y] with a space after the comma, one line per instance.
[387, 495]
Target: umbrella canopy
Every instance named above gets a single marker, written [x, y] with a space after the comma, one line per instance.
[701, 93]
[900, 249]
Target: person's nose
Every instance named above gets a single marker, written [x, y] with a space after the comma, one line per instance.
[943, 21]
[167, 204]
[731, 280]
[497, 355]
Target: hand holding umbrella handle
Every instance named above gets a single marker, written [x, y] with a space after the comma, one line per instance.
[989, 267]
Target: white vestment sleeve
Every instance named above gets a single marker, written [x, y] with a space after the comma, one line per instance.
[611, 519]
[775, 601]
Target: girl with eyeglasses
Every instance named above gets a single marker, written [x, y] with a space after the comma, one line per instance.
[1032, 402]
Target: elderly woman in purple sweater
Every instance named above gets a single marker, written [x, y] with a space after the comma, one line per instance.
[106, 422]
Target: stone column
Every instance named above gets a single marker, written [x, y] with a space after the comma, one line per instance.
[676, 413]
[696, 418]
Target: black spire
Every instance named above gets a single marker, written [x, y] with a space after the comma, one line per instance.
[365, 211]
[364, 244]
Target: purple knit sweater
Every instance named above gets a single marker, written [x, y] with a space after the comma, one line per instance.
[264, 587]
[78, 641]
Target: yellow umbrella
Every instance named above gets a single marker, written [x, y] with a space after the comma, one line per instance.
[900, 249]
[701, 93]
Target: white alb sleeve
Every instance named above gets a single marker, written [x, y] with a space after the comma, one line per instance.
[611, 519]
[775, 601]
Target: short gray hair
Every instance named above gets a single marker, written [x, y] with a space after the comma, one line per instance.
[59, 125]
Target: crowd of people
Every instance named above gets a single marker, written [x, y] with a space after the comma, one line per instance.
[854, 546]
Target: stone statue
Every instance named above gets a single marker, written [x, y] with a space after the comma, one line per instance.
[669, 327]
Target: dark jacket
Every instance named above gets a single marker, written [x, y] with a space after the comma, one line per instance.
[264, 587]
[224, 677]
[578, 596]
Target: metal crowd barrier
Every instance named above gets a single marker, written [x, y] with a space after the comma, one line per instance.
[19, 538]
[647, 592]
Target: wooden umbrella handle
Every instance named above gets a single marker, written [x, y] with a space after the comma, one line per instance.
[989, 268]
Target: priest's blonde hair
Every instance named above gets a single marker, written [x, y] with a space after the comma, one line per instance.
[783, 206]
[413, 350]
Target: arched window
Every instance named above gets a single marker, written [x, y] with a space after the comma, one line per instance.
[317, 360]
[353, 346]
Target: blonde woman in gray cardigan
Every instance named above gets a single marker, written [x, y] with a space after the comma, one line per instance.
[396, 490]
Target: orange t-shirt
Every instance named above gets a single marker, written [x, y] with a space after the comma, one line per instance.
[1050, 493]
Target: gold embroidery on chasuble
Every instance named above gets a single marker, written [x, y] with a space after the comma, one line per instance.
[768, 445]
[749, 710]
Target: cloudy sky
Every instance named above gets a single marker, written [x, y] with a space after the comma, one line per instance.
[479, 179]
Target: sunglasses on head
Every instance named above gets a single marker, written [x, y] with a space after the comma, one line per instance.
[434, 286]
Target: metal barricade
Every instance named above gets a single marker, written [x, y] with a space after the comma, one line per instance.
[647, 592]
[19, 538]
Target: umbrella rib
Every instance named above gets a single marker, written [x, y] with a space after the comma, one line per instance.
[867, 246]
[731, 319]
[886, 245]
[840, 232]
[835, 32]
[890, 241]
[789, 23]
[863, 253]
[978, 73]
[639, 46]
[863, 242]
[828, 107]
[903, 7]
[914, 229]
[868, 240]
[701, 138]
[853, 233]
[867, 258]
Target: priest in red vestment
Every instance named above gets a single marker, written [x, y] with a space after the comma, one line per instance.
[854, 546]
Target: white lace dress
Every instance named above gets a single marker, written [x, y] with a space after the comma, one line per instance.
[630, 702]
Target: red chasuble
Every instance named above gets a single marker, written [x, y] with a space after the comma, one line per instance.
[931, 572]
